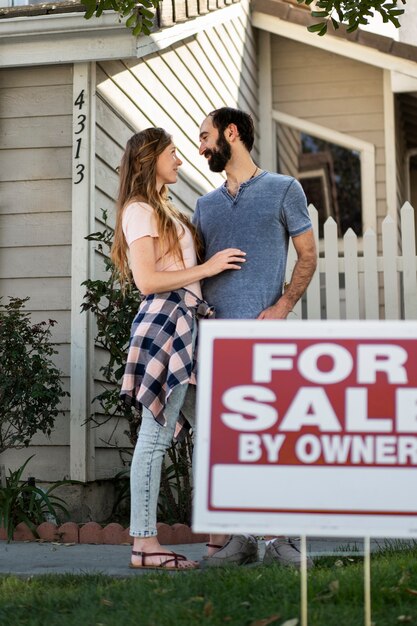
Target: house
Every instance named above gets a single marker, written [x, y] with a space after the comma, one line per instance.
[72, 92]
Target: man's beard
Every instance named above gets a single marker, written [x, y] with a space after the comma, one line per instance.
[220, 156]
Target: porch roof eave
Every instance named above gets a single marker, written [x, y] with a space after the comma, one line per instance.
[52, 33]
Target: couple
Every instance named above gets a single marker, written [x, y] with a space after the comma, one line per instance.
[237, 247]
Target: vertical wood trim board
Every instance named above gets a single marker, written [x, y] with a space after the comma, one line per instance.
[81, 452]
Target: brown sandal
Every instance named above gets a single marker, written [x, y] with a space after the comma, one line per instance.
[176, 558]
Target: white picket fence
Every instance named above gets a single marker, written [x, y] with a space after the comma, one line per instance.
[354, 283]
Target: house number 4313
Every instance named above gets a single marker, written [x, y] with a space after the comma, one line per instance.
[79, 132]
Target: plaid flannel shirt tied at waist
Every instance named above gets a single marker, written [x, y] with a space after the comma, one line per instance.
[160, 352]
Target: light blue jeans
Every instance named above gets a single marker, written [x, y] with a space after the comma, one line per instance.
[152, 443]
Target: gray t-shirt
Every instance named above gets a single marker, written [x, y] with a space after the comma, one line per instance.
[259, 220]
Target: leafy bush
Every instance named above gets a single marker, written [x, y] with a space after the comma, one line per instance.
[30, 384]
[114, 310]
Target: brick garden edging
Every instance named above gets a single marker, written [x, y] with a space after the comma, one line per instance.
[91, 532]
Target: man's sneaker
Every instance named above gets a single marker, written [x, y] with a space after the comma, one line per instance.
[238, 550]
[285, 551]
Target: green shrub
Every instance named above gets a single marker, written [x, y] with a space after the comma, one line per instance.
[30, 384]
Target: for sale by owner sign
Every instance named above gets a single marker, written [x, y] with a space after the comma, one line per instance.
[307, 428]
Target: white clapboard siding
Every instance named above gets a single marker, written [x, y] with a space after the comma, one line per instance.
[216, 72]
[289, 147]
[112, 123]
[183, 195]
[337, 106]
[35, 229]
[180, 66]
[37, 76]
[161, 71]
[34, 196]
[106, 149]
[60, 433]
[61, 331]
[191, 70]
[337, 90]
[243, 94]
[62, 358]
[243, 41]
[101, 358]
[107, 462]
[50, 463]
[102, 201]
[334, 92]
[104, 435]
[32, 132]
[25, 101]
[35, 164]
[107, 179]
[100, 272]
[19, 262]
[46, 294]
[376, 285]
[325, 71]
[35, 218]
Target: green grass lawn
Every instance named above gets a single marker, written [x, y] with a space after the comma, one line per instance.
[245, 596]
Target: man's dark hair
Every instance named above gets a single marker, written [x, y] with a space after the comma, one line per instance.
[227, 115]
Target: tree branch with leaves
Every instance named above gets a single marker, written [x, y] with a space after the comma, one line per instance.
[352, 13]
[140, 15]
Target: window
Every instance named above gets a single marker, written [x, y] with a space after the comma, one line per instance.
[352, 163]
[331, 178]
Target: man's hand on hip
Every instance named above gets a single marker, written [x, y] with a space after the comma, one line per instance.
[277, 311]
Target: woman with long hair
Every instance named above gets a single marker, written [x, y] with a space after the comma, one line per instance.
[160, 246]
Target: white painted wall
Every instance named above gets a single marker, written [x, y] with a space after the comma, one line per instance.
[35, 223]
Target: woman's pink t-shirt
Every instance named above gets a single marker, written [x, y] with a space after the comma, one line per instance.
[139, 221]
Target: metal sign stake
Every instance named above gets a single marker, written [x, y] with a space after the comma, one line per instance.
[367, 580]
[303, 581]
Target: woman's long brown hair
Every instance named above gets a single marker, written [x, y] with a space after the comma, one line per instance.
[137, 182]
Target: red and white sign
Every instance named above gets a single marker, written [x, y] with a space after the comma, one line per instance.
[307, 428]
